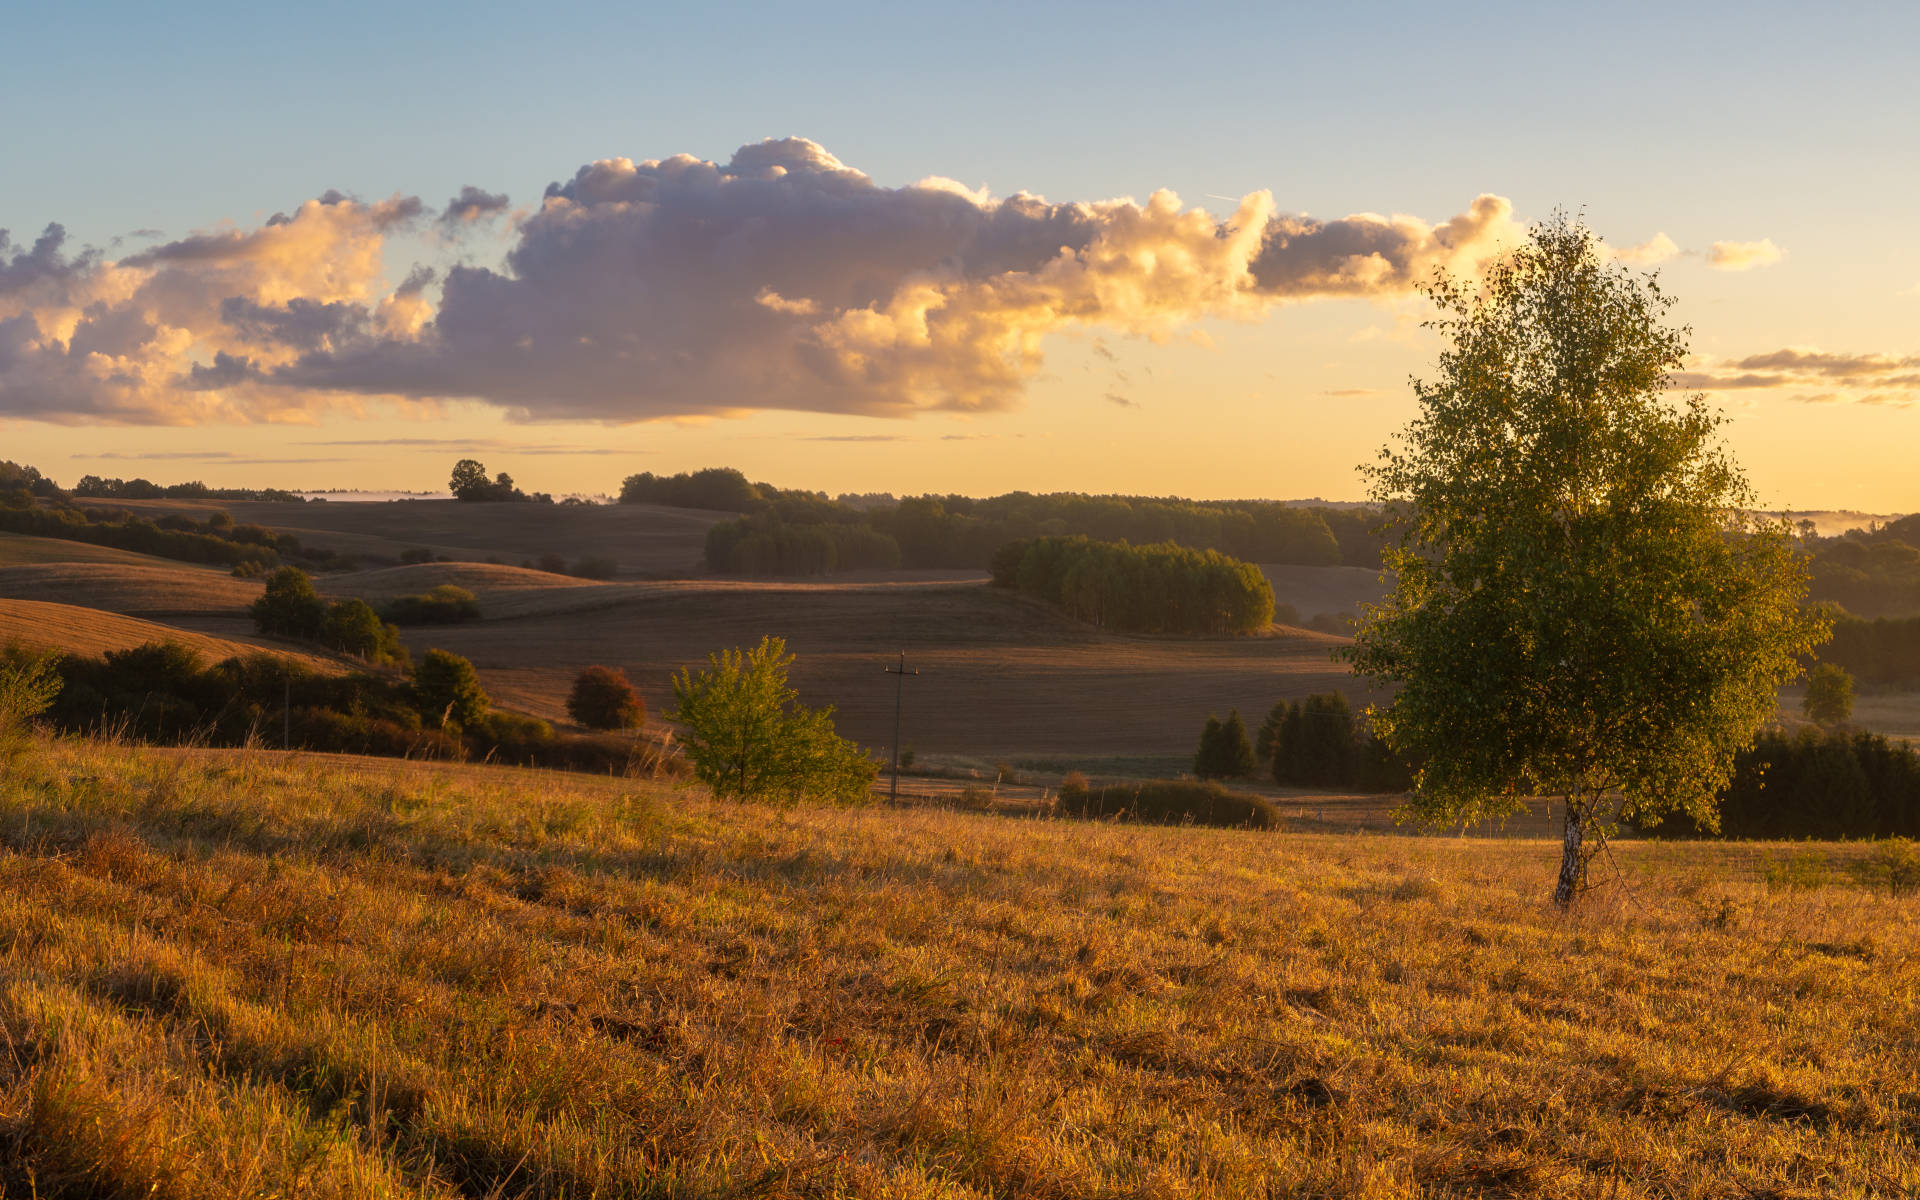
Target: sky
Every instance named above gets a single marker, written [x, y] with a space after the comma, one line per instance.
[917, 248]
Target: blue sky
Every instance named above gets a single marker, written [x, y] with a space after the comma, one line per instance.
[1705, 123]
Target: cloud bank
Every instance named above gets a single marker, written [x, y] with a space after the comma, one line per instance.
[1814, 377]
[781, 279]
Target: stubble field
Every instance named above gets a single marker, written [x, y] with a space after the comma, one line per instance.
[232, 974]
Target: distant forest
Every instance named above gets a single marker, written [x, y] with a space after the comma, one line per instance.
[781, 531]
[1869, 572]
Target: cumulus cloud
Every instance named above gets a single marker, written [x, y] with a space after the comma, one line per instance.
[1840, 378]
[1656, 249]
[190, 330]
[780, 279]
[1743, 256]
[473, 205]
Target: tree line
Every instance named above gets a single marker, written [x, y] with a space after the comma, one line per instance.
[1882, 651]
[1161, 588]
[218, 540]
[1872, 572]
[788, 531]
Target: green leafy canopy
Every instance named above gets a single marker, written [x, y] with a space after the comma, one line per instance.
[750, 738]
[1584, 605]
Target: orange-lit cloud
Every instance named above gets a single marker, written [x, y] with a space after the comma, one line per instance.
[1656, 249]
[1744, 256]
[681, 289]
[1813, 376]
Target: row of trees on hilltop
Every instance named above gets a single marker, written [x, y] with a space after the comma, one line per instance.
[1138, 589]
[785, 531]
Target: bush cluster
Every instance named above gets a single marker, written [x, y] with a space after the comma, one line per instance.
[122, 531]
[603, 699]
[1162, 588]
[1319, 742]
[443, 605]
[1171, 801]
[1225, 752]
[291, 608]
[1813, 784]
[164, 693]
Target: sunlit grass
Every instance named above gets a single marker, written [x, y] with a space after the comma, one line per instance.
[239, 975]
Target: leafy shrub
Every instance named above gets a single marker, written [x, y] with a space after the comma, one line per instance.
[596, 566]
[1829, 698]
[290, 607]
[29, 684]
[1897, 861]
[352, 627]
[415, 555]
[603, 699]
[446, 604]
[447, 691]
[552, 563]
[749, 737]
[1172, 802]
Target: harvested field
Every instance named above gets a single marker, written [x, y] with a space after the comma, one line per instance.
[1000, 675]
[90, 631]
[168, 589]
[643, 539]
[243, 974]
[20, 549]
[1315, 590]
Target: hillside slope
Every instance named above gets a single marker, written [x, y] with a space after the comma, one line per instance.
[231, 975]
[90, 631]
[999, 674]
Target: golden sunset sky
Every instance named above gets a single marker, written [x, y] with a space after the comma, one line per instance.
[1104, 248]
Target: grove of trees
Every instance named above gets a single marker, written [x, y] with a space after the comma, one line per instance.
[1139, 589]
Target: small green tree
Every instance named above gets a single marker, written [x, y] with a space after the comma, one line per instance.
[749, 737]
[1208, 752]
[603, 699]
[1225, 752]
[29, 684]
[1829, 698]
[290, 607]
[447, 692]
[1582, 606]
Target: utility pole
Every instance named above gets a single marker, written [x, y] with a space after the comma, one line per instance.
[899, 686]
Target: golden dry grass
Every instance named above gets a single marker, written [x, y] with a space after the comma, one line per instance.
[237, 974]
[91, 631]
[152, 588]
[20, 549]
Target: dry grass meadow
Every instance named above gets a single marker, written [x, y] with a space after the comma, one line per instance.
[246, 974]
